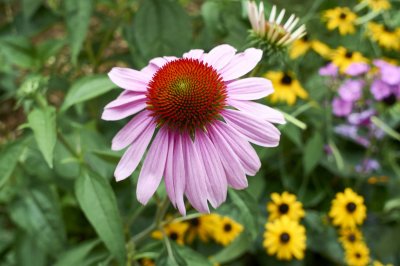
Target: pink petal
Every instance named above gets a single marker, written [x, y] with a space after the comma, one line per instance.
[241, 64]
[233, 168]
[153, 167]
[126, 97]
[159, 62]
[129, 79]
[131, 131]
[254, 129]
[217, 183]
[241, 147]
[134, 154]
[260, 110]
[120, 112]
[194, 54]
[150, 69]
[249, 88]
[220, 56]
[169, 170]
[179, 174]
[196, 186]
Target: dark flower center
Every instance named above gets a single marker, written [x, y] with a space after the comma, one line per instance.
[352, 238]
[358, 255]
[390, 100]
[227, 227]
[388, 29]
[186, 94]
[343, 15]
[173, 235]
[286, 79]
[283, 208]
[195, 222]
[349, 55]
[284, 237]
[351, 207]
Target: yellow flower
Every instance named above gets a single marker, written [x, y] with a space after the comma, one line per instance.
[202, 227]
[147, 262]
[343, 58]
[285, 205]
[357, 255]
[384, 36]
[285, 239]
[175, 231]
[378, 5]
[375, 180]
[287, 88]
[348, 209]
[378, 263]
[349, 236]
[226, 230]
[303, 45]
[342, 18]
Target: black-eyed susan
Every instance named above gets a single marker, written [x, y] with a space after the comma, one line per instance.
[303, 45]
[287, 87]
[386, 37]
[357, 254]
[285, 238]
[285, 204]
[174, 230]
[377, 5]
[343, 58]
[349, 236]
[226, 230]
[202, 227]
[348, 209]
[341, 18]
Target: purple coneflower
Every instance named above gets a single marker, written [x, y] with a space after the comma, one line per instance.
[202, 119]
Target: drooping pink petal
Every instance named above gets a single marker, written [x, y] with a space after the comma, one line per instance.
[196, 186]
[131, 131]
[241, 64]
[126, 97]
[220, 56]
[150, 69]
[249, 88]
[134, 154]
[125, 110]
[257, 131]
[233, 168]
[217, 183]
[169, 170]
[194, 54]
[241, 147]
[129, 79]
[262, 111]
[179, 172]
[159, 62]
[153, 167]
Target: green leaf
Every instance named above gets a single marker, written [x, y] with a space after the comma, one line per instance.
[19, 51]
[77, 18]
[8, 160]
[29, 7]
[192, 257]
[87, 88]
[388, 130]
[28, 252]
[313, 152]
[43, 123]
[97, 200]
[161, 28]
[238, 247]
[77, 255]
[39, 215]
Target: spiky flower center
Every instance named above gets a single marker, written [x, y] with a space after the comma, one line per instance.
[186, 94]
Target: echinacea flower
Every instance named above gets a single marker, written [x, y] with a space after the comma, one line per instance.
[285, 204]
[341, 18]
[357, 254]
[274, 32]
[348, 209]
[287, 87]
[285, 238]
[202, 119]
[386, 37]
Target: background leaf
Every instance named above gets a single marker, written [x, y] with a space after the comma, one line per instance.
[313, 152]
[8, 160]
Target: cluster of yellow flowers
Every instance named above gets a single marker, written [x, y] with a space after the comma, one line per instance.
[348, 212]
[284, 236]
[221, 229]
[345, 20]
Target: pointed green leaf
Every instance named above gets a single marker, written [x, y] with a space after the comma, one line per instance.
[43, 123]
[8, 160]
[77, 255]
[97, 200]
[313, 152]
